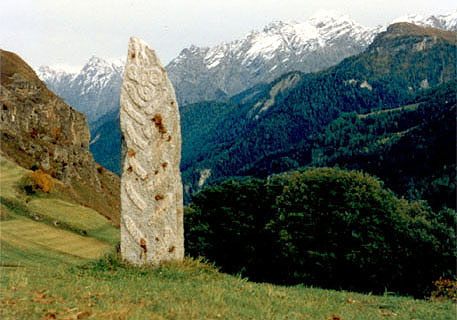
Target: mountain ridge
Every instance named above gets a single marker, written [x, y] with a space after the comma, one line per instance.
[94, 90]
[218, 72]
[265, 54]
[275, 122]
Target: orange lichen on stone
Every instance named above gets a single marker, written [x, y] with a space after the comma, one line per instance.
[131, 153]
[145, 249]
[157, 119]
[56, 131]
[143, 245]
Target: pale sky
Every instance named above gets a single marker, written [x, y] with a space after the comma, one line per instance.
[68, 32]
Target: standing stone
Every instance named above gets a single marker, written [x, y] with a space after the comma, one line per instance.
[151, 187]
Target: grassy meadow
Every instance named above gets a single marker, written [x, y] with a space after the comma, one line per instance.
[58, 261]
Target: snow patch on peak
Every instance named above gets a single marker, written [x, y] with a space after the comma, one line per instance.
[306, 31]
[264, 45]
[214, 56]
[116, 62]
[54, 73]
[446, 21]
[96, 63]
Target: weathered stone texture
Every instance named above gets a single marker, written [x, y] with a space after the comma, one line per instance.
[151, 187]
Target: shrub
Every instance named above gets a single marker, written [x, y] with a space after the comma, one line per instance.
[445, 289]
[343, 229]
[325, 227]
[41, 181]
[226, 224]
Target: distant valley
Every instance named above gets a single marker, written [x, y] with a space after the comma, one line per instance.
[275, 128]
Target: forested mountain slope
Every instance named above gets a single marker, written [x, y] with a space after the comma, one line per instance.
[275, 124]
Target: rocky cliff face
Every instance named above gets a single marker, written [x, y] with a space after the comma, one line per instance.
[38, 129]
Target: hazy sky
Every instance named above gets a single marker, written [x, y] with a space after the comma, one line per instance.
[69, 32]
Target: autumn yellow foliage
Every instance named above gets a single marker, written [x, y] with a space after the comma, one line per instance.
[41, 180]
[445, 289]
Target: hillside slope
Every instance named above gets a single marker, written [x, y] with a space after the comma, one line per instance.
[39, 228]
[49, 272]
[274, 124]
[412, 148]
[39, 130]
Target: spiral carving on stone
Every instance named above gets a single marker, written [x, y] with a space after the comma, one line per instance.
[151, 187]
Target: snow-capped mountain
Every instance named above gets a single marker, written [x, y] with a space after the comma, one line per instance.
[202, 73]
[262, 55]
[94, 90]
[443, 21]
[320, 42]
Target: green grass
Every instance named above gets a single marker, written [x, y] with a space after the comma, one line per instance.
[109, 289]
[5, 213]
[32, 255]
[38, 229]
[48, 270]
[409, 107]
[29, 235]
[52, 208]
[10, 174]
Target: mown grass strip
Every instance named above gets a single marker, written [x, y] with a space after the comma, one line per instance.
[29, 234]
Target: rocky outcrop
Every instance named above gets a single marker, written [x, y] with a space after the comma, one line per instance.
[39, 130]
[151, 188]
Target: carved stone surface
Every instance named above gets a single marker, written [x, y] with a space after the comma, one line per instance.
[151, 187]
